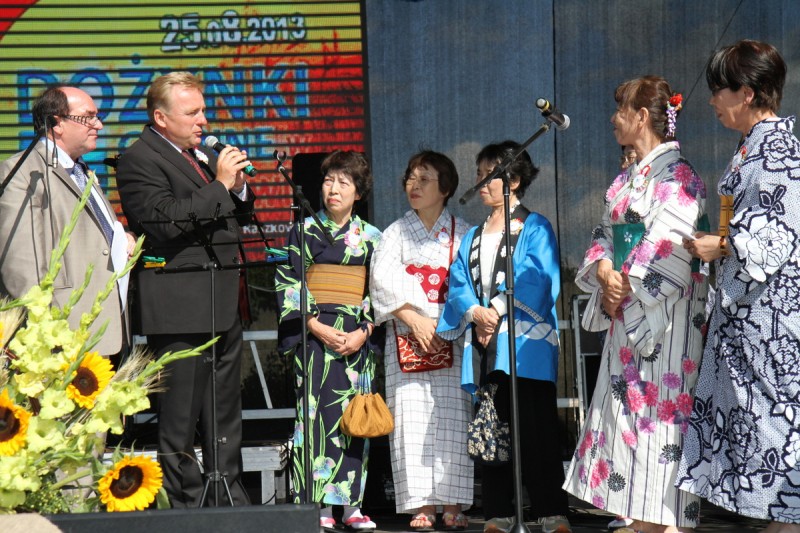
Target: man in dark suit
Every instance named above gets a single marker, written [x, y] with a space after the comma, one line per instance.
[166, 175]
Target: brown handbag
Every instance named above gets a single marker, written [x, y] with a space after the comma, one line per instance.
[366, 415]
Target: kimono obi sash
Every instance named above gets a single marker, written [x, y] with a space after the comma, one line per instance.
[337, 284]
[435, 280]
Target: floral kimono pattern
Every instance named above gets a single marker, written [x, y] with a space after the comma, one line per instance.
[339, 462]
[742, 450]
[430, 465]
[630, 445]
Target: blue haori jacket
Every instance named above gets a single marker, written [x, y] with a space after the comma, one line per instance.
[537, 282]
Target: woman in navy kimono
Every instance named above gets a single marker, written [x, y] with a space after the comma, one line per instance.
[476, 304]
[340, 322]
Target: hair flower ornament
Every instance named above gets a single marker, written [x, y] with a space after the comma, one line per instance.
[674, 105]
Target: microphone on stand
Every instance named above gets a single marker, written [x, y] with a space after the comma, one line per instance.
[557, 118]
[112, 161]
[213, 143]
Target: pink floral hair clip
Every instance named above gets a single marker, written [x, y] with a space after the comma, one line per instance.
[674, 105]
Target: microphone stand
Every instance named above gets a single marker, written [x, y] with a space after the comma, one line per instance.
[501, 172]
[20, 161]
[212, 266]
[303, 208]
[502, 167]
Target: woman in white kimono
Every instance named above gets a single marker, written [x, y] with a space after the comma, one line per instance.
[408, 286]
[742, 450]
[646, 295]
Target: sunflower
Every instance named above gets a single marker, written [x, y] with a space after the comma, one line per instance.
[13, 425]
[91, 377]
[131, 485]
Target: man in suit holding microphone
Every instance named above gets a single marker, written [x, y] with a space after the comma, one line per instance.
[38, 203]
[166, 178]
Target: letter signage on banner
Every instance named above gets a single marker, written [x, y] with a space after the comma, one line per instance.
[278, 75]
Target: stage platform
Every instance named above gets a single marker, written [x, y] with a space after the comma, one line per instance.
[587, 520]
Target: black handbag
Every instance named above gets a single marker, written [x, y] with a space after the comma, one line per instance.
[488, 439]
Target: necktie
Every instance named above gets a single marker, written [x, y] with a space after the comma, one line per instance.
[192, 161]
[82, 179]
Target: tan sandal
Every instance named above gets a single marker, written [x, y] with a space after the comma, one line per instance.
[428, 522]
[454, 522]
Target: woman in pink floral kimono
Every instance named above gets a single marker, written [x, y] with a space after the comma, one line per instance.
[647, 297]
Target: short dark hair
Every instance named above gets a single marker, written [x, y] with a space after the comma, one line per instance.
[444, 167]
[752, 64]
[522, 167]
[159, 95]
[651, 93]
[354, 164]
[51, 103]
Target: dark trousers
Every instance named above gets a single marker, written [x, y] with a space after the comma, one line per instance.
[187, 400]
[542, 466]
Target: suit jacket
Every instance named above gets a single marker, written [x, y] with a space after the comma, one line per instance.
[158, 185]
[34, 210]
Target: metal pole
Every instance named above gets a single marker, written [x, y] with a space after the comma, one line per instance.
[516, 455]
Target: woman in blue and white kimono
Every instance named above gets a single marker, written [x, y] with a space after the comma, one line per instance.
[477, 304]
[742, 451]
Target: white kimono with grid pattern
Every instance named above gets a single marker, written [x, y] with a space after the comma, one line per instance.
[431, 411]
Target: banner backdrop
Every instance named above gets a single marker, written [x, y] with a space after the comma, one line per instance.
[279, 75]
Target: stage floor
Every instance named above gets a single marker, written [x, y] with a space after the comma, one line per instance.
[586, 520]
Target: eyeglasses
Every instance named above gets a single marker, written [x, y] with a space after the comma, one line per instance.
[84, 120]
[423, 181]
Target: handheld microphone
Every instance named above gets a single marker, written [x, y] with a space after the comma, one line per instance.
[213, 143]
[559, 120]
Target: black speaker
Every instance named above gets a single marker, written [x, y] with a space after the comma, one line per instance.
[256, 518]
[306, 173]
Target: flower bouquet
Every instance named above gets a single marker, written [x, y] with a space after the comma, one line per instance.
[58, 399]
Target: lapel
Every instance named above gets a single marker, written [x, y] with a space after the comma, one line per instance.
[171, 154]
[520, 213]
[61, 173]
[57, 170]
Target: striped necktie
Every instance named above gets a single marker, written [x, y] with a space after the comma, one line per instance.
[82, 179]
